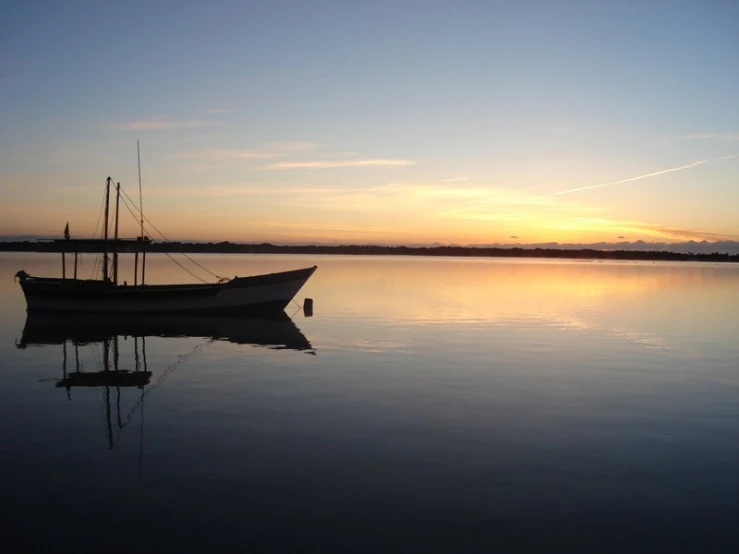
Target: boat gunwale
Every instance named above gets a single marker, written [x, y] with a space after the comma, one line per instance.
[236, 282]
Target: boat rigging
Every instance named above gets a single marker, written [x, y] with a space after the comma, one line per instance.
[258, 293]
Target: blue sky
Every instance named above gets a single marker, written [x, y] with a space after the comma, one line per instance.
[409, 122]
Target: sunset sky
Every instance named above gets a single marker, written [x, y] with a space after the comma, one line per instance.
[469, 122]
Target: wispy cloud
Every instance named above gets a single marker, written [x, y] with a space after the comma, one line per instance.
[339, 163]
[161, 124]
[289, 147]
[216, 111]
[248, 154]
[234, 190]
[621, 228]
[201, 167]
[439, 201]
[270, 150]
[331, 226]
[492, 198]
[639, 177]
[200, 136]
[453, 180]
[676, 233]
[223, 154]
[712, 136]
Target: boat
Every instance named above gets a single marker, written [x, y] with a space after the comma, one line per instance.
[107, 295]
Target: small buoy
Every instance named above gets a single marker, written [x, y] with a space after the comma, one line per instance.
[308, 307]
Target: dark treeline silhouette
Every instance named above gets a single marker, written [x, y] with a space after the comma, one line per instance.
[376, 250]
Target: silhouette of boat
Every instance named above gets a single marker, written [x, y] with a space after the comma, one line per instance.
[259, 293]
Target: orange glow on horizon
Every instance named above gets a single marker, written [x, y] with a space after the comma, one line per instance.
[456, 212]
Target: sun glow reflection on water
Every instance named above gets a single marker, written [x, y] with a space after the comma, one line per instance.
[461, 403]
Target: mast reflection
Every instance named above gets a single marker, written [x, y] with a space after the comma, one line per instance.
[104, 334]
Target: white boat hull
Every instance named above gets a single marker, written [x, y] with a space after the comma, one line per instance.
[259, 293]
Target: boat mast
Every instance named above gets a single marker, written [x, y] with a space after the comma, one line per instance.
[141, 238]
[105, 242]
[115, 249]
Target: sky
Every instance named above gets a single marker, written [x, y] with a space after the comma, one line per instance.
[392, 122]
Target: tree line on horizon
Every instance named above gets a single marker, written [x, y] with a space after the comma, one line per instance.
[227, 247]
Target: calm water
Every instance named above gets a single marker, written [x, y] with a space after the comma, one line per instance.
[429, 404]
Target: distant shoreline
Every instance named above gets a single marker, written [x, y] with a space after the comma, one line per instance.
[370, 250]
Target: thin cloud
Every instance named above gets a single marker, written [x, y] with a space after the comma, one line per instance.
[204, 136]
[224, 154]
[496, 198]
[639, 177]
[249, 154]
[714, 136]
[638, 229]
[293, 146]
[161, 124]
[689, 234]
[198, 191]
[270, 150]
[337, 227]
[201, 167]
[453, 180]
[340, 163]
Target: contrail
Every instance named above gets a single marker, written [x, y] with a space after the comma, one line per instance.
[568, 191]
[682, 167]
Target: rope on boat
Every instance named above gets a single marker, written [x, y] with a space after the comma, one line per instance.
[292, 317]
[135, 211]
[184, 268]
[125, 203]
[100, 217]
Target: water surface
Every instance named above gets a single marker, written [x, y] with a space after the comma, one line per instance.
[466, 405]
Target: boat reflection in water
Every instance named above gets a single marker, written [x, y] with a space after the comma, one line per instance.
[72, 331]
[274, 331]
